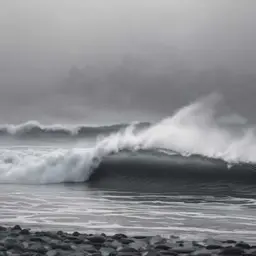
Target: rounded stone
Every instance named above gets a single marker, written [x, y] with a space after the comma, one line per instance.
[140, 237]
[65, 247]
[76, 234]
[24, 232]
[162, 247]
[38, 248]
[230, 241]
[96, 239]
[126, 241]
[3, 228]
[96, 254]
[213, 247]
[184, 250]
[232, 251]
[202, 253]
[243, 245]
[52, 253]
[128, 254]
[168, 253]
[60, 232]
[106, 251]
[37, 239]
[127, 250]
[118, 236]
[17, 227]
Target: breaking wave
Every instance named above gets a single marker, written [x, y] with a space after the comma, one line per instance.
[192, 130]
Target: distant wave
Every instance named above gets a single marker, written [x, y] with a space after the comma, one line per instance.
[34, 128]
[191, 131]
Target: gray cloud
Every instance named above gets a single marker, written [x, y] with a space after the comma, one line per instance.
[83, 59]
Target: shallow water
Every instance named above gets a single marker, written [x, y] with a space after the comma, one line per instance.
[80, 207]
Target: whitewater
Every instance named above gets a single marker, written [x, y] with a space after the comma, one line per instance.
[195, 129]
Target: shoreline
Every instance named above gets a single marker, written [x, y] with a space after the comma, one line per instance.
[16, 241]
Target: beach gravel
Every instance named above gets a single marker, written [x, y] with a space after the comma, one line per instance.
[16, 241]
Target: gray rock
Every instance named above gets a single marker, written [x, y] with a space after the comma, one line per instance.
[162, 247]
[2, 229]
[243, 245]
[29, 254]
[183, 249]
[12, 244]
[114, 244]
[22, 238]
[96, 239]
[214, 247]
[127, 250]
[198, 244]
[62, 246]
[48, 234]
[60, 233]
[174, 237]
[82, 236]
[141, 237]
[11, 253]
[53, 253]
[87, 248]
[156, 240]
[151, 253]
[79, 241]
[168, 253]
[38, 248]
[230, 241]
[2, 248]
[75, 239]
[126, 240]
[128, 254]
[96, 254]
[77, 254]
[24, 232]
[76, 234]
[17, 227]
[211, 241]
[251, 253]
[106, 251]
[202, 252]
[37, 239]
[138, 245]
[232, 251]
[25, 245]
[118, 236]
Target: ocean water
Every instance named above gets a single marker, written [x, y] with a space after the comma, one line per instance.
[191, 174]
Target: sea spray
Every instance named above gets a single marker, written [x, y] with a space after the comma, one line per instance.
[193, 129]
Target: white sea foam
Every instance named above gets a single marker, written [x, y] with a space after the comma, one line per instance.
[193, 129]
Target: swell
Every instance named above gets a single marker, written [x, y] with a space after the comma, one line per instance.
[157, 172]
[157, 165]
[210, 148]
[35, 129]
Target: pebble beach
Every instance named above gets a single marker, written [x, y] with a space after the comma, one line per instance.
[16, 241]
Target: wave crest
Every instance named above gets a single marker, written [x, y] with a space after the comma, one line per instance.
[35, 128]
[193, 130]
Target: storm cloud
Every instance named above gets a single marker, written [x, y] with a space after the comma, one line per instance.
[83, 60]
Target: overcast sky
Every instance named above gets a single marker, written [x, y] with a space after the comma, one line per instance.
[81, 59]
